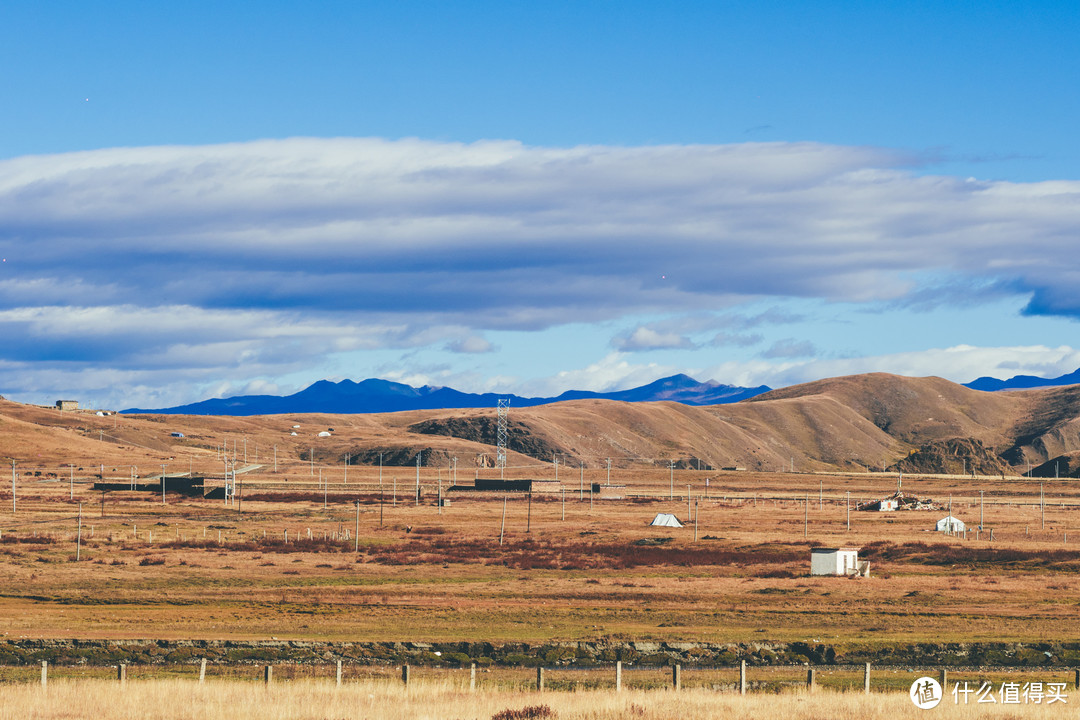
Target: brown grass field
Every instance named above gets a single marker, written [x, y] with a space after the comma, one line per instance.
[198, 568]
[449, 700]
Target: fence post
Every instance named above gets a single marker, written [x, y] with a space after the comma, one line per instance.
[742, 678]
[944, 680]
[339, 673]
[618, 675]
[202, 670]
[810, 679]
[121, 673]
[268, 674]
[676, 677]
[866, 679]
[539, 679]
[44, 673]
[405, 674]
[472, 677]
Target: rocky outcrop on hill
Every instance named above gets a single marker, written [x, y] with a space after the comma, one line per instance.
[1062, 466]
[484, 429]
[955, 456]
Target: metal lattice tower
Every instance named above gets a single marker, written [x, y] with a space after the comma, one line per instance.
[504, 412]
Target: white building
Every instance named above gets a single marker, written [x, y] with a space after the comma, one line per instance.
[949, 524]
[835, 561]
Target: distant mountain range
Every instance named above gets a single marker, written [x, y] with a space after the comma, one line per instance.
[1023, 382]
[377, 396]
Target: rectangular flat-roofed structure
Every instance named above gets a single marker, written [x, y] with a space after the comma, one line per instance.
[835, 561]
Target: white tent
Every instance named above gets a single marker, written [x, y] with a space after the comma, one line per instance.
[666, 520]
[324, 434]
[949, 524]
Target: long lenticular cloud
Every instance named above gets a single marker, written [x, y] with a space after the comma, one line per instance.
[445, 230]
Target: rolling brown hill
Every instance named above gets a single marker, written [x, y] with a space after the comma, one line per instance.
[873, 420]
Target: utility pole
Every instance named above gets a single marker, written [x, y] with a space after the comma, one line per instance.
[671, 480]
[311, 457]
[609, 471]
[12, 487]
[356, 532]
[346, 482]
[162, 483]
[982, 507]
[418, 478]
[847, 504]
[380, 469]
[581, 482]
[502, 529]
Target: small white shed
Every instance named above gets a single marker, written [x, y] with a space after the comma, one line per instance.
[949, 524]
[834, 561]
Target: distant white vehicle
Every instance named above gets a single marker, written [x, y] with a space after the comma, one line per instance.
[295, 426]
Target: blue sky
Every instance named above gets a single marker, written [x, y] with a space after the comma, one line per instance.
[201, 199]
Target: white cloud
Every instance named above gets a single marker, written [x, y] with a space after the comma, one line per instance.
[613, 372]
[646, 338]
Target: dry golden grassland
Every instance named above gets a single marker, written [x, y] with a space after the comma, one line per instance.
[448, 700]
[198, 568]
